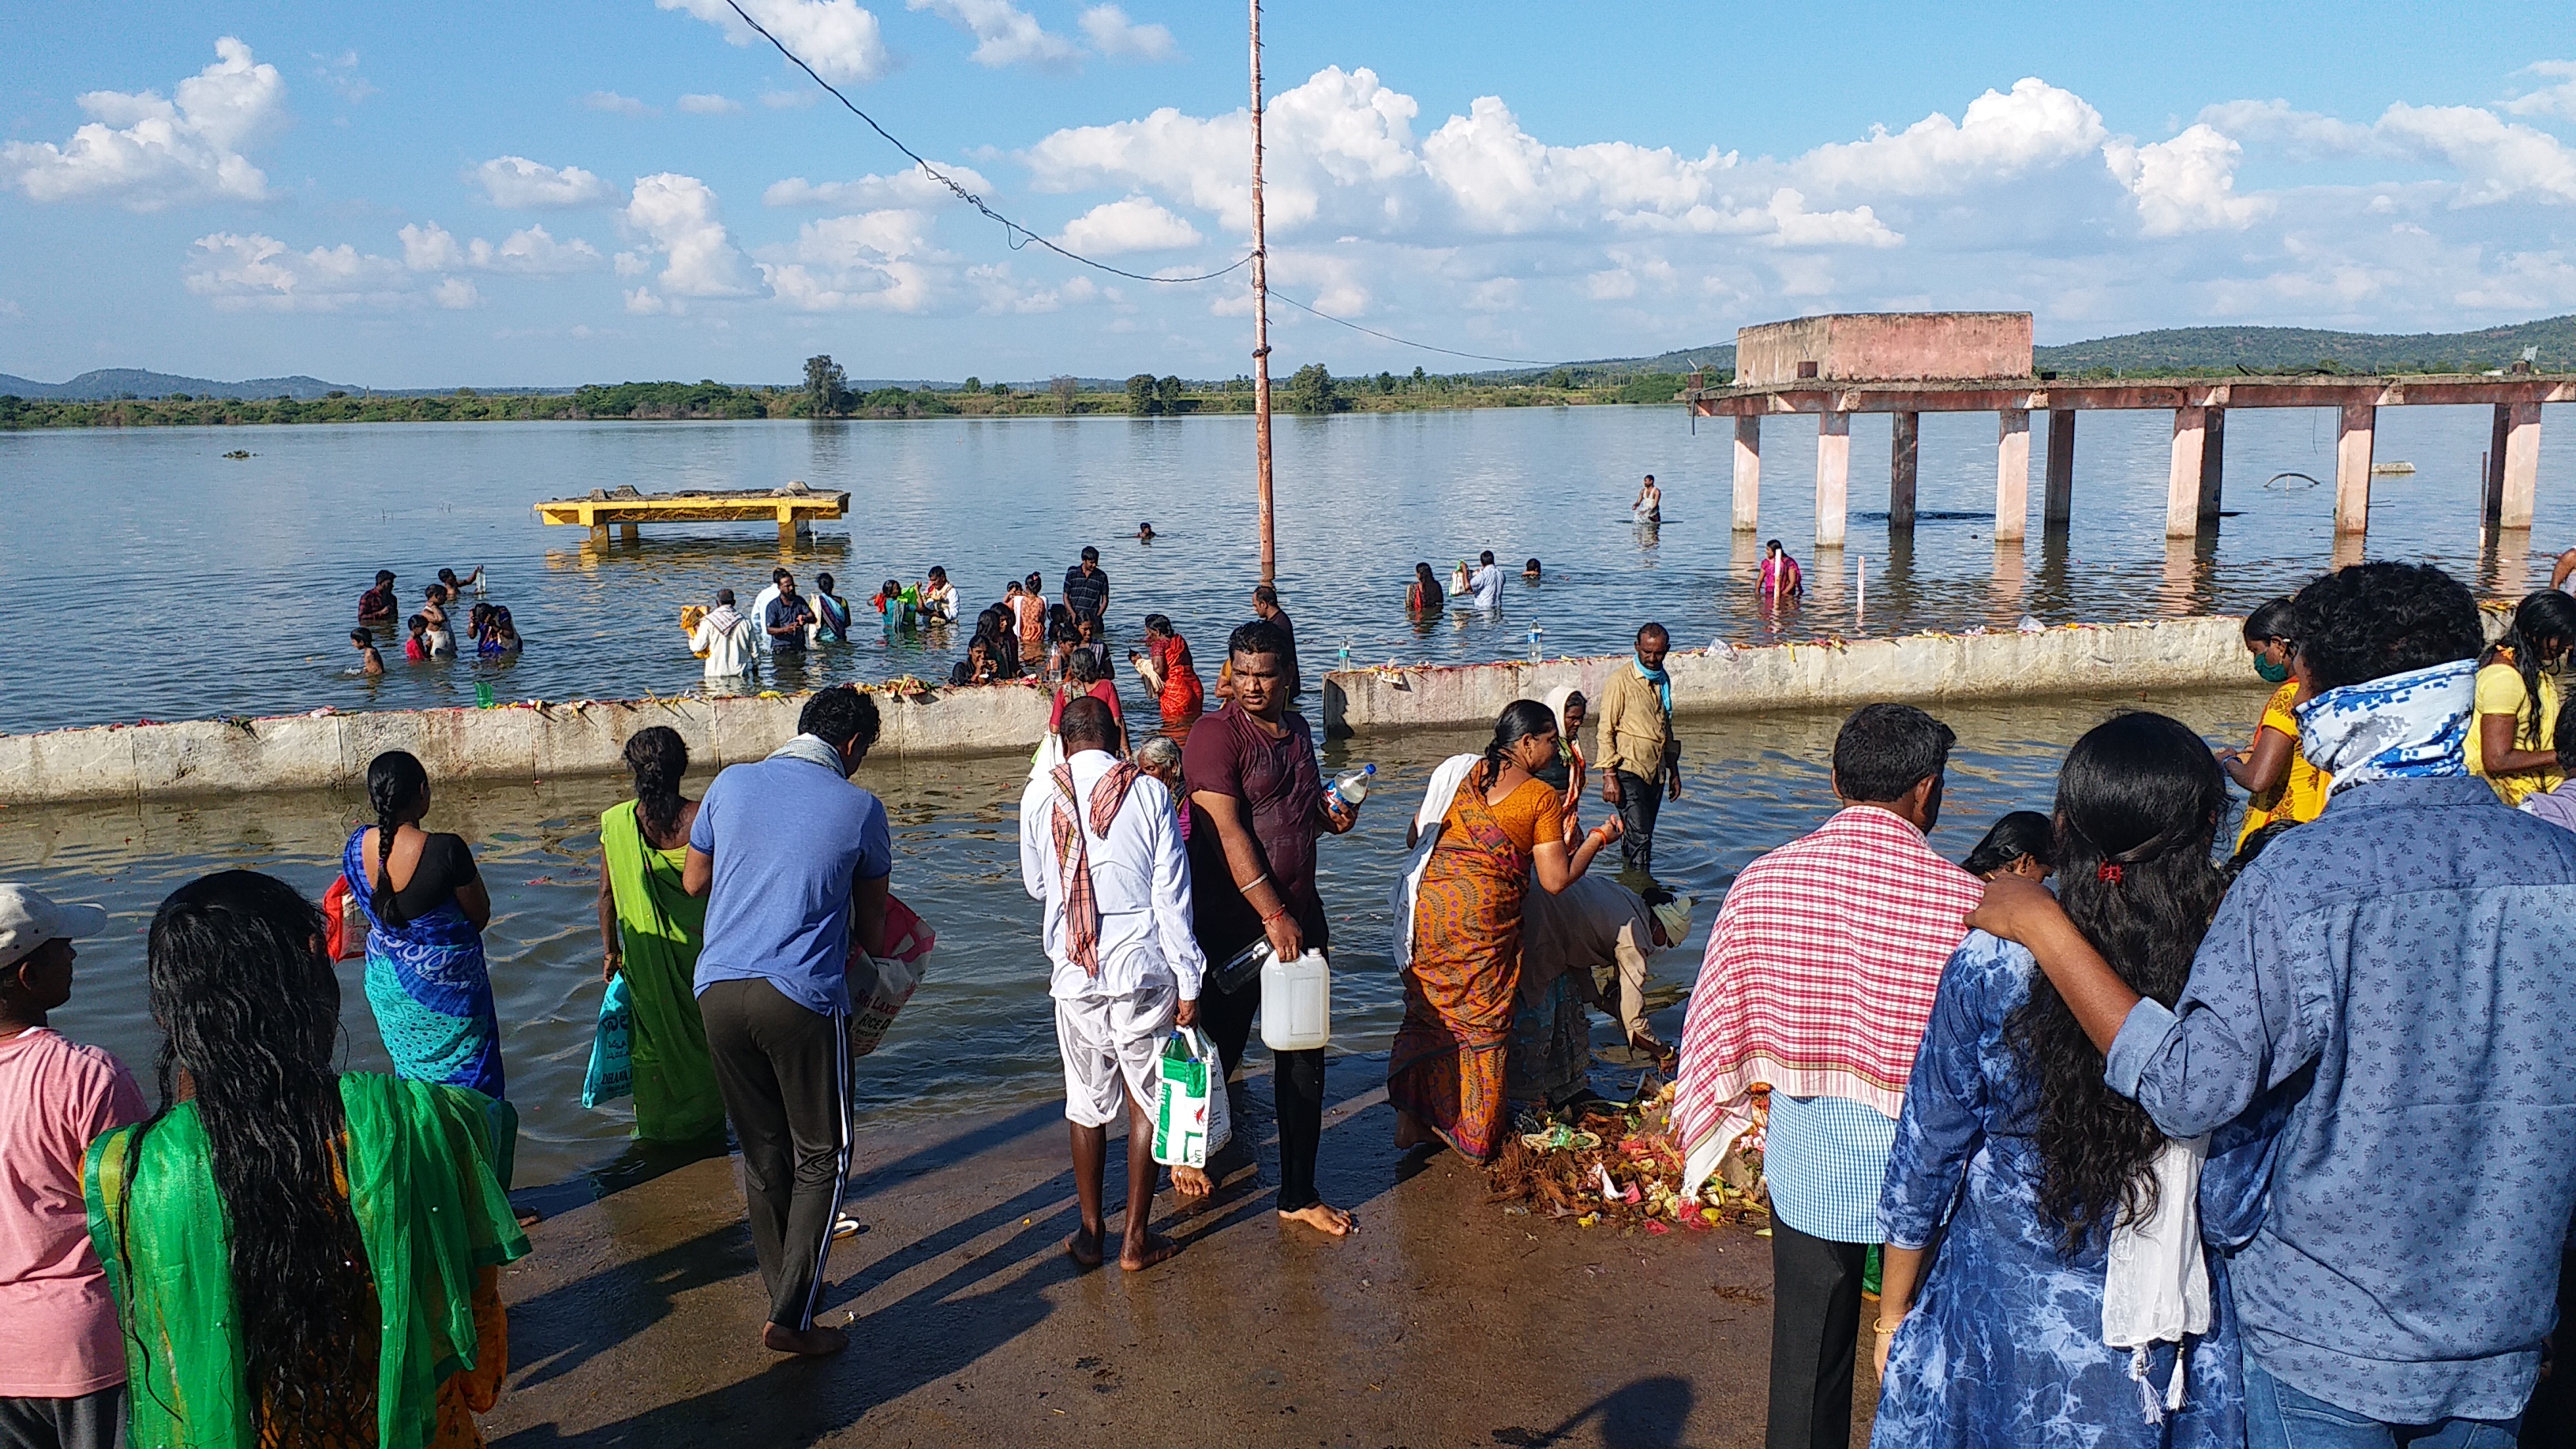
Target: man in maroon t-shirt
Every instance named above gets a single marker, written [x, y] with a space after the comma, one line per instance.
[1257, 805]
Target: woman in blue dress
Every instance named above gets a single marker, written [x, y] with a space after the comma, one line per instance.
[2013, 1159]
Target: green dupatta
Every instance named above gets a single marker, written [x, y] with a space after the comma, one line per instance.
[430, 1213]
[661, 926]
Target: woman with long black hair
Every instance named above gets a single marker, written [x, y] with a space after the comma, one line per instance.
[1501, 828]
[2005, 1340]
[426, 907]
[2513, 734]
[300, 1257]
[650, 929]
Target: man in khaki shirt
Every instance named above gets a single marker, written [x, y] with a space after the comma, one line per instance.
[1641, 761]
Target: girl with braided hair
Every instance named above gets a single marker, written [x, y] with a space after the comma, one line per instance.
[426, 908]
[650, 929]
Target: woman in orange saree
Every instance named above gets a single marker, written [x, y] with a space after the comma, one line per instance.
[1503, 827]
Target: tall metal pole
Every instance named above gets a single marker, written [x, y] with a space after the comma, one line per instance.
[1261, 323]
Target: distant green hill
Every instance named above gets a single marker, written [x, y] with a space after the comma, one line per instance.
[2307, 349]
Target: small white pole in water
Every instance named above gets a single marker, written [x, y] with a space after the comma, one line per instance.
[1860, 588]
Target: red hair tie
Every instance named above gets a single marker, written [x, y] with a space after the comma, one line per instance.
[2111, 872]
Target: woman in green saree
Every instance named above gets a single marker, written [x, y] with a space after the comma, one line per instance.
[301, 1259]
[649, 931]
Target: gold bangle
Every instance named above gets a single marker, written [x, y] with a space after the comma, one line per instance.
[1883, 1328]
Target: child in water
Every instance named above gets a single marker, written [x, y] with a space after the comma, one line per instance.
[369, 661]
[416, 648]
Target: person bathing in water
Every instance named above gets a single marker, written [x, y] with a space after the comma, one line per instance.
[1144, 533]
[1649, 507]
[369, 661]
[1781, 579]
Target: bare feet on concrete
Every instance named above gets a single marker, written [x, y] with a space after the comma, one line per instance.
[1084, 1248]
[815, 1342]
[1145, 1251]
[1325, 1218]
[1191, 1182]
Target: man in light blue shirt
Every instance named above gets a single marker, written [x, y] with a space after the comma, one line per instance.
[1488, 583]
[794, 861]
[2377, 1034]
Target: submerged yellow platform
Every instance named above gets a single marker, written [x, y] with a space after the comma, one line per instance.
[795, 507]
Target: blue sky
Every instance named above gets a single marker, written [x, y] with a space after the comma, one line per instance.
[593, 190]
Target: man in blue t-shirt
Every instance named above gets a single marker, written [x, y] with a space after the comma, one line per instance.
[794, 863]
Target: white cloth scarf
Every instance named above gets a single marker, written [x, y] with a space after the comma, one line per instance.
[2155, 1286]
[2401, 726]
[1435, 808]
[813, 750]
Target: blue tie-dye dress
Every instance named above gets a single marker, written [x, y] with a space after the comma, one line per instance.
[2004, 1346]
[429, 987]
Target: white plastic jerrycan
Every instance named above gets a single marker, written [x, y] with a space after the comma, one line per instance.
[1296, 1003]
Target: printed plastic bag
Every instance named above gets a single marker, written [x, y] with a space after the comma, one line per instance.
[612, 1069]
[879, 986]
[343, 943]
[1190, 1114]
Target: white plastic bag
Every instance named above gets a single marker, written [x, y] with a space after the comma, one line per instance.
[880, 985]
[1191, 1120]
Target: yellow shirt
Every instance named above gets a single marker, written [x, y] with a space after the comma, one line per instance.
[2300, 793]
[2500, 691]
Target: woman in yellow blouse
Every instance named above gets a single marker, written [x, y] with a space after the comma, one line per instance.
[2275, 773]
[2513, 738]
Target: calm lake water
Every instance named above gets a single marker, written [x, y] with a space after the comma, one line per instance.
[150, 577]
[979, 1035]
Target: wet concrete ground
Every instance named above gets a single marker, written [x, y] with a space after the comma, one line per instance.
[1444, 1322]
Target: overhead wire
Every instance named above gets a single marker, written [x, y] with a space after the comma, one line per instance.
[1020, 236]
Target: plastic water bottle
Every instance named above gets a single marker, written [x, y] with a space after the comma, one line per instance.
[1343, 659]
[1352, 786]
[1296, 1003]
[1534, 633]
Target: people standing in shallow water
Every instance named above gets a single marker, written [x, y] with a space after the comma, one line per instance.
[440, 638]
[831, 613]
[1168, 671]
[650, 929]
[369, 661]
[1649, 505]
[301, 1257]
[416, 646]
[1145, 533]
[1782, 582]
[1424, 595]
[2022, 843]
[426, 907]
[2031, 1174]
[378, 605]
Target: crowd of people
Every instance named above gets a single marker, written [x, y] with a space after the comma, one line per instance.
[430, 634]
[2148, 1137]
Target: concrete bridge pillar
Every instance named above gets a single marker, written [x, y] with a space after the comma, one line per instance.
[1904, 432]
[2058, 507]
[2183, 477]
[1748, 472]
[2012, 475]
[1833, 476]
[2520, 474]
[2492, 486]
[2213, 465]
[2353, 437]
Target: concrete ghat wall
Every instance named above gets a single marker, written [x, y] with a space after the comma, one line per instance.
[513, 742]
[1920, 668]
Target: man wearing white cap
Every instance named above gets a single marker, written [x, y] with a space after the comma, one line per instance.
[62, 1363]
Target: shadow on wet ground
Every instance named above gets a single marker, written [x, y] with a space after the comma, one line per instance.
[1444, 1321]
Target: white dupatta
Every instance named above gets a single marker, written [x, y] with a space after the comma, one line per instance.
[1435, 808]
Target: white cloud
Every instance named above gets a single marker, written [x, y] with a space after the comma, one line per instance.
[789, 100]
[629, 264]
[1004, 33]
[2303, 136]
[2000, 137]
[340, 73]
[2186, 184]
[836, 37]
[642, 303]
[517, 182]
[1133, 225]
[145, 153]
[431, 248]
[256, 272]
[2555, 100]
[678, 214]
[701, 104]
[877, 260]
[997, 291]
[1795, 226]
[1119, 38]
[1506, 180]
[613, 102]
[869, 193]
[455, 294]
[2497, 159]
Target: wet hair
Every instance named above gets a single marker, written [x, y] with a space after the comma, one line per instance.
[724, 596]
[2542, 619]
[501, 621]
[434, 592]
[1258, 637]
[841, 716]
[2138, 803]
[1265, 594]
[1486, 557]
[417, 623]
[250, 1006]
[1059, 614]
[395, 783]
[1884, 750]
[1423, 572]
[2277, 619]
[475, 616]
[2371, 620]
[1158, 754]
[823, 582]
[1082, 666]
[2023, 832]
[1158, 624]
[1650, 477]
[1519, 720]
[1013, 586]
[1086, 724]
[361, 636]
[1035, 583]
[384, 576]
[1531, 567]
[659, 757]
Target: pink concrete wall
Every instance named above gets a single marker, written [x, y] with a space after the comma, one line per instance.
[1886, 346]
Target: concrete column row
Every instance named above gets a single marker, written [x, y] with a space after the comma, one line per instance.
[1833, 473]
